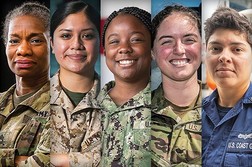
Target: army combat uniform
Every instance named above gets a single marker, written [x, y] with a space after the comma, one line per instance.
[76, 130]
[126, 129]
[175, 132]
[24, 129]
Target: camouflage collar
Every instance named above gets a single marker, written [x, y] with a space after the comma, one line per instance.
[88, 101]
[143, 98]
[40, 98]
[161, 102]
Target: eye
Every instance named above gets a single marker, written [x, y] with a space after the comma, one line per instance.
[66, 36]
[136, 40]
[167, 42]
[238, 50]
[215, 49]
[113, 42]
[189, 40]
[36, 41]
[88, 36]
[13, 41]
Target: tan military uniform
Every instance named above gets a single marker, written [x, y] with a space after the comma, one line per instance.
[126, 130]
[24, 129]
[175, 135]
[75, 130]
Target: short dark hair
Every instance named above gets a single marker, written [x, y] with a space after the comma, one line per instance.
[169, 10]
[141, 14]
[27, 8]
[228, 18]
[72, 7]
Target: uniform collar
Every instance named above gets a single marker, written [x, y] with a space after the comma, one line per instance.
[86, 102]
[40, 98]
[247, 98]
[143, 98]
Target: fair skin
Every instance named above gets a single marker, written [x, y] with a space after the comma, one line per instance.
[128, 56]
[76, 47]
[27, 53]
[59, 160]
[228, 61]
[177, 50]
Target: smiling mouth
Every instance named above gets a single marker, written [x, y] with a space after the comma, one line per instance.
[126, 62]
[180, 63]
[77, 57]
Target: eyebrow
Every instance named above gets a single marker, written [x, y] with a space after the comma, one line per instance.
[29, 36]
[70, 30]
[219, 43]
[169, 36]
[116, 34]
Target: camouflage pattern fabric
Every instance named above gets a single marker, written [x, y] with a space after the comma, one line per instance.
[24, 129]
[175, 140]
[76, 130]
[126, 129]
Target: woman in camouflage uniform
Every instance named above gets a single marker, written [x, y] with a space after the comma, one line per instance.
[176, 114]
[125, 102]
[75, 120]
[24, 108]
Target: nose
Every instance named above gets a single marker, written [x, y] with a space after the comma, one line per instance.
[125, 48]
[77, 43]
[225, 57]
[179, 48]
[24, 49]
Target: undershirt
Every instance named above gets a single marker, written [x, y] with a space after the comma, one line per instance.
[75, 97]
[222, 110]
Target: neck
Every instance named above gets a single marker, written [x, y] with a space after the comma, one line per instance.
[76, 82]
[181, 93]
[26, 85]
[123, 91]
[236, 94]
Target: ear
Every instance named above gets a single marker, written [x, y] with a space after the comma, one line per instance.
[52, 46]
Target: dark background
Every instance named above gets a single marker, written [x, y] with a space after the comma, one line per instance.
[7, 78]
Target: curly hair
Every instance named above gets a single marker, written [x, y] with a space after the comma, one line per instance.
[141, 14]
[228, 18]
[35, 9]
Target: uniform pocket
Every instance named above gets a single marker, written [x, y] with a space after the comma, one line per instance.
[238, 159]
[239, 150]
[141, 147]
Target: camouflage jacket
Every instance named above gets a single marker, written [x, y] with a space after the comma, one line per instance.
[24, 129]
[76, 130]
[126, 129]
[175, 141]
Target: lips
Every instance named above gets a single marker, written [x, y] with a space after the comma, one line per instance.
[179, 62]
[77, 56]
[224, 69]
[126, 62]
[24, 63]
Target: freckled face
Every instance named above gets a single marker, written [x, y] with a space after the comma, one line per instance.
[76, 44]
[128, 48]
[27, 47]
[177, 47]
[229, 58]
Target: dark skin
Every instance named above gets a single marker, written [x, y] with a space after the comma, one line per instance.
[28, 56]
[128, 56]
